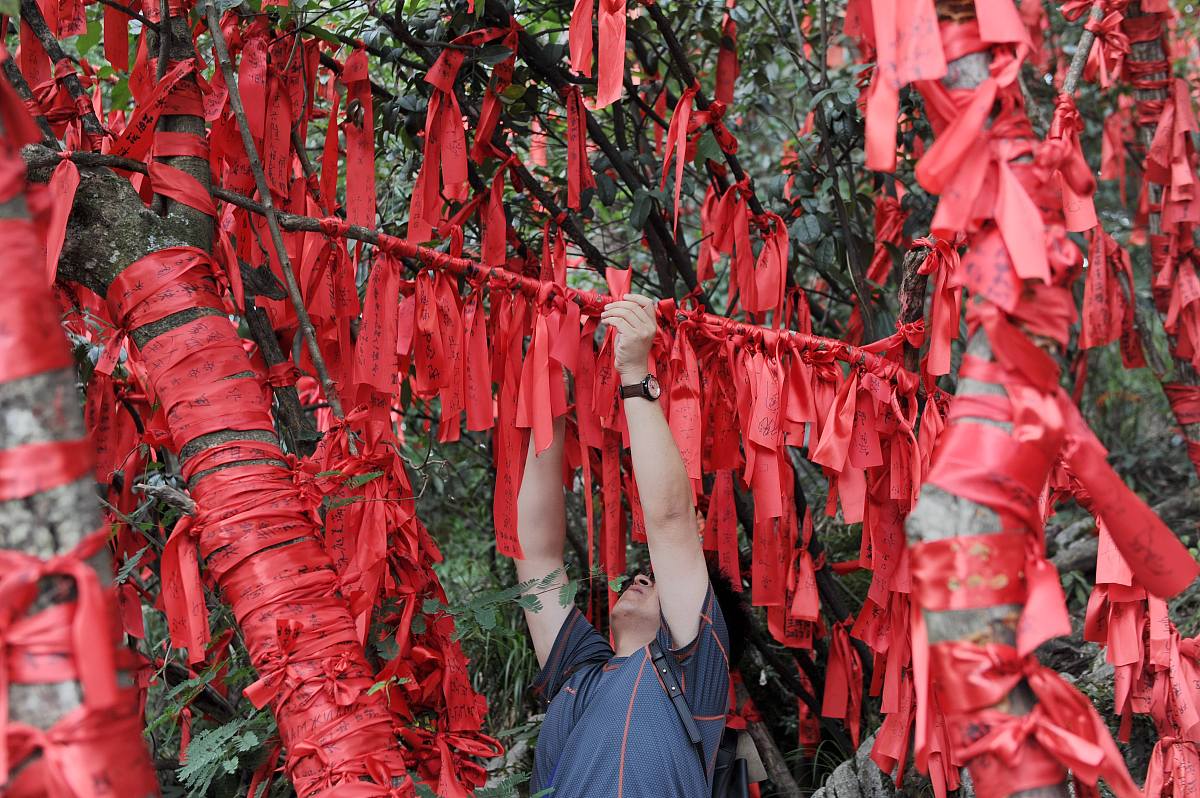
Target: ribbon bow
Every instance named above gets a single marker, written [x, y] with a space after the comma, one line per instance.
[90, 626]
[1064, 723]
[1060, 157]
[273, 669]
[946, 305]
[1112, 45]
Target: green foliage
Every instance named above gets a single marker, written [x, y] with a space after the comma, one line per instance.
[215, 754]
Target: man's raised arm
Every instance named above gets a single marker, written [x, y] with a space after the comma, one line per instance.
[662, 482]
[542, 529]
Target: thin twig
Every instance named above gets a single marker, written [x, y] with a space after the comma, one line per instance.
[129, 12]
[1086, 40]
[164, 38]
[264, 192]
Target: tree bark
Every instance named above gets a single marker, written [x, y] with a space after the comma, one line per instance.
[940, 515]
[43, 408]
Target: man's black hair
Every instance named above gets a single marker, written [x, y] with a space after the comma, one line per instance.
[734, 609]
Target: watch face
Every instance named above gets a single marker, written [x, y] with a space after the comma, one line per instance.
[652, 386]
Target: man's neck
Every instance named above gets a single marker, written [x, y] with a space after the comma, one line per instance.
[628, 644]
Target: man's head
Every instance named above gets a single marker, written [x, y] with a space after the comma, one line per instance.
[636, 616]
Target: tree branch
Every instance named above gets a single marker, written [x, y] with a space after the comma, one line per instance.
[264, 193]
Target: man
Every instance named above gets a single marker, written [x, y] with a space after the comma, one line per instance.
[611, 729]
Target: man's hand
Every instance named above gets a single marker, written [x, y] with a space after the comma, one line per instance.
[635, 320]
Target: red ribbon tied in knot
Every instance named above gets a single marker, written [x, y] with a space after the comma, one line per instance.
[968, 678]
[1061, 157]
[946, 306]
[712, 118]
[91, 632]
[1112, 45]
[273, 670]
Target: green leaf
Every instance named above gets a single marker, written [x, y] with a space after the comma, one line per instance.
[549, 579]
[128, 566]
[567, 593]
[606, 189]
[617, 582]
[820, 96]
[806, 229]
[486, 618]
[708, 148]
[493, 54]
[358, 480]
[10, 8]
[530, 602]
[642, 203]
[90, 38]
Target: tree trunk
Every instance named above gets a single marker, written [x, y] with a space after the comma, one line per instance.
[43, 520]
[1143, 53]
[940, 515]
[109, 230]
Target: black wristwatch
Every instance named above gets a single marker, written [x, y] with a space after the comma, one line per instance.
[648, 388]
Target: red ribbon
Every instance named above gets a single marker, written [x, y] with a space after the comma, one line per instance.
[728, 68]
[1107, 57]
[946, 301]
[580, 36]
[1063, 723]
[843, 681]
[902, 33]
[360, 142]
[579, 171]
[610, 74]
[1062, 155]
[677, 144]
[1108, 311]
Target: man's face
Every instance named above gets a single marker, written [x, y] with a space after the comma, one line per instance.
[635, 616]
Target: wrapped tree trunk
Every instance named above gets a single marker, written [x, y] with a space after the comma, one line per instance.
[984, 595]
[1163, 119]
[70, 718]
[255, 532]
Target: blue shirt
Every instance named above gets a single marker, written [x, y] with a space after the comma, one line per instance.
[610, 729]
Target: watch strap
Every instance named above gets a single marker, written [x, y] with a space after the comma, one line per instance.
[630, 391]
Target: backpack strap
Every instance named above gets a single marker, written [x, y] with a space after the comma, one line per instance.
[675, 693]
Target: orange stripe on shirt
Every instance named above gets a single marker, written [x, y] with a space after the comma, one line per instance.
[628, 718]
